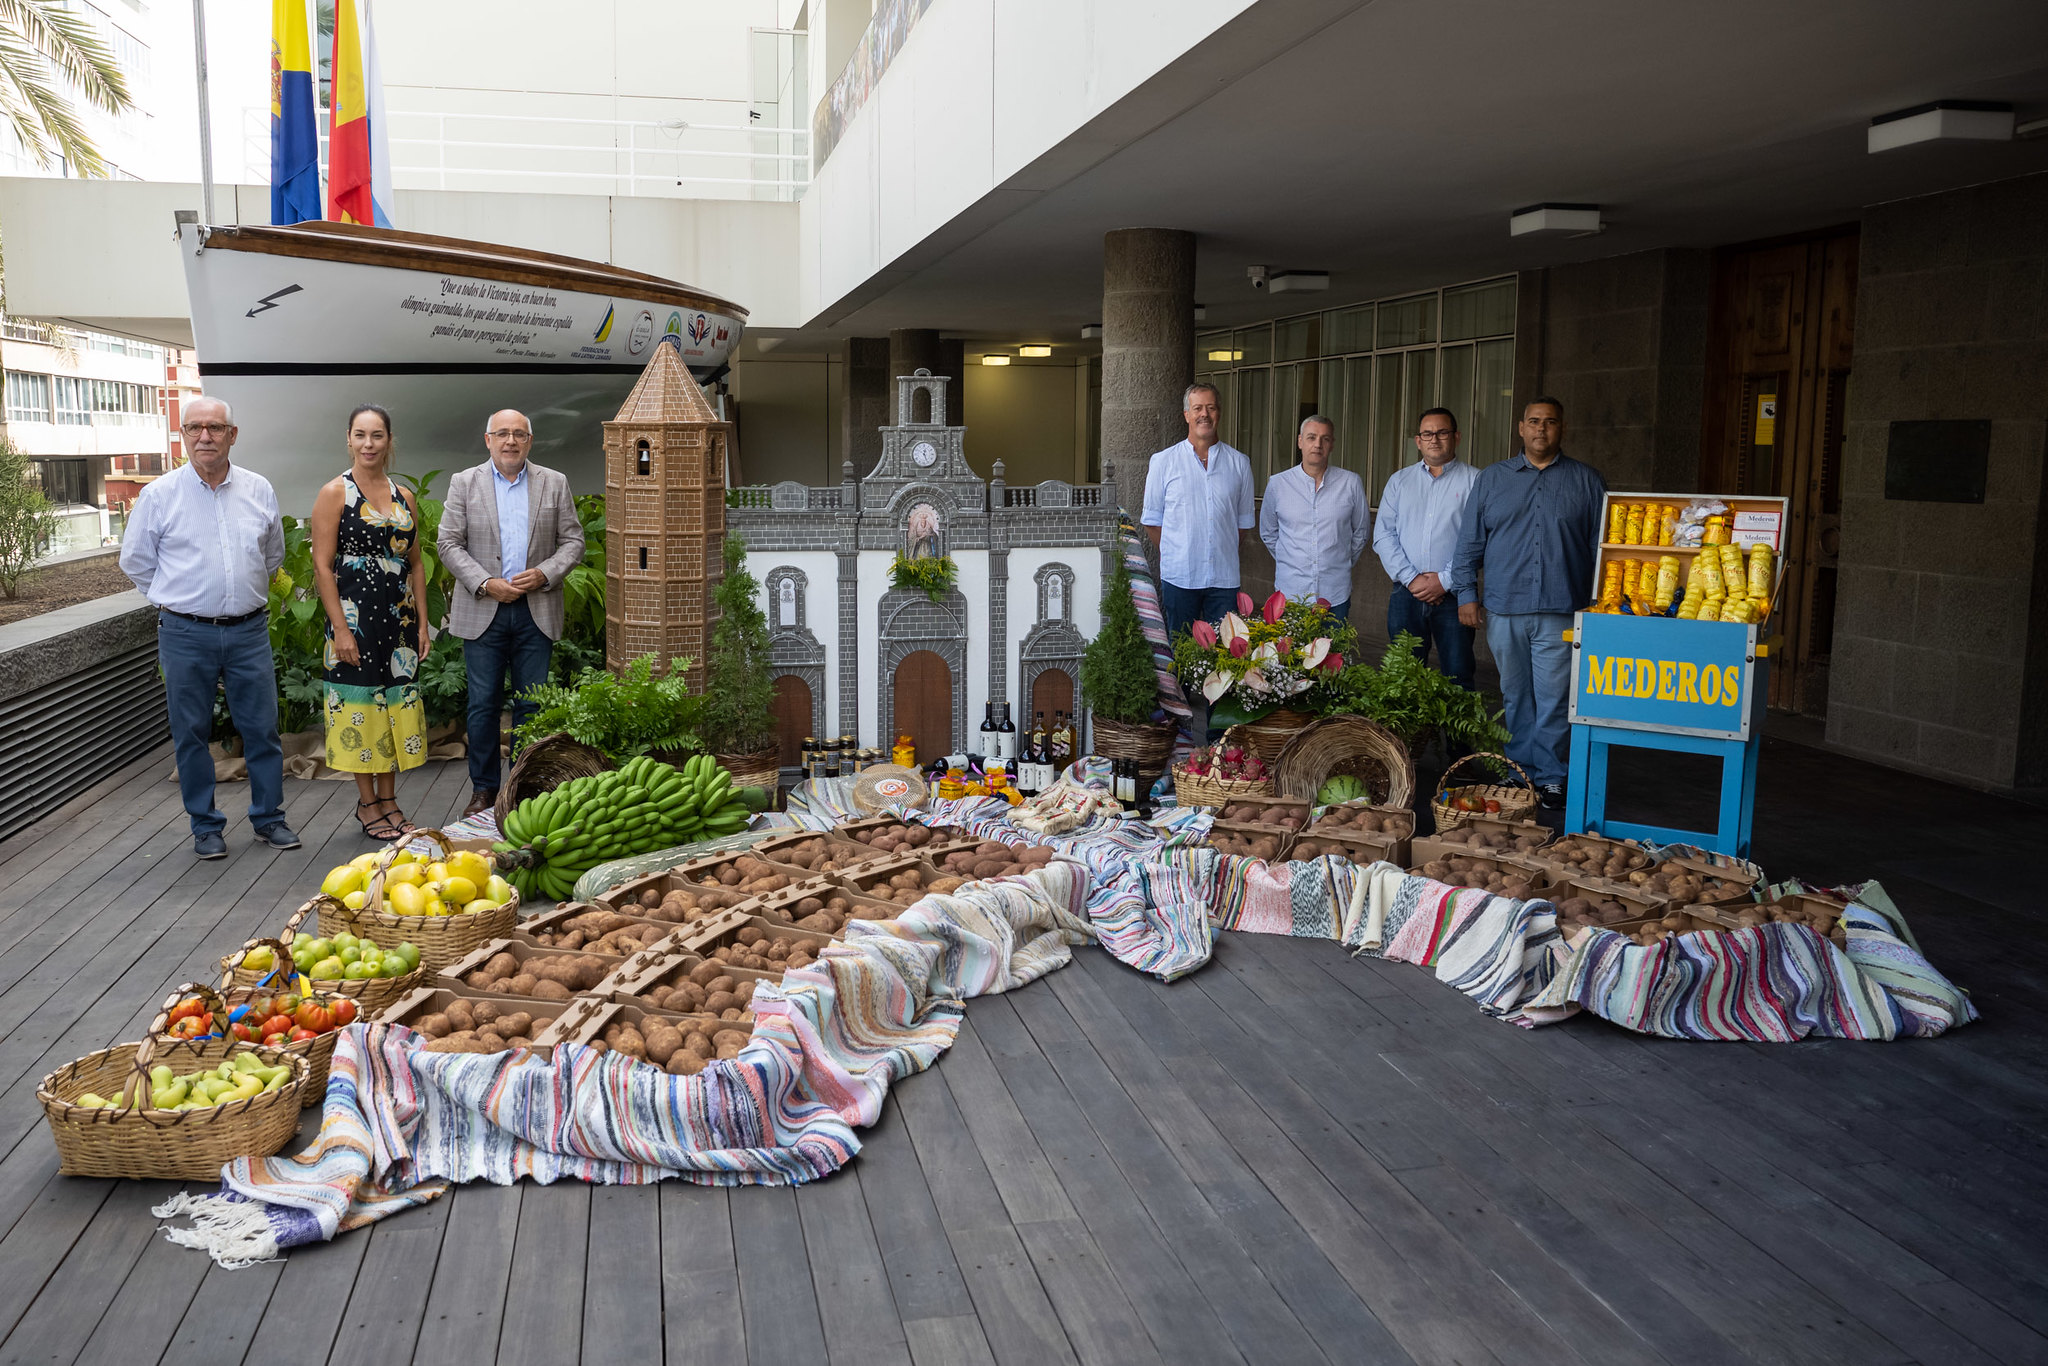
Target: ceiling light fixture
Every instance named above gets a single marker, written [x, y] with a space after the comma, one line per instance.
[1034, 351]
[1298, 282]
[1091, 332]
[995, 359]
[1942, 121]
[1226, 355]
[1555, 220]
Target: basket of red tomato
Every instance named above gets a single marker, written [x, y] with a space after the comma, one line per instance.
[303, 1023]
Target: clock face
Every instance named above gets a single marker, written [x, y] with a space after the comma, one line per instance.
[924, 453]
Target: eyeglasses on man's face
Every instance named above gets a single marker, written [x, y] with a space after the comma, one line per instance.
[1439, 434]
[508, 434]
[212, 429]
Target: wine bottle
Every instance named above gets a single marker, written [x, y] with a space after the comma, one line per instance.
[1062, 742]
[1041, 752]
[988, 730]
[1006, 735]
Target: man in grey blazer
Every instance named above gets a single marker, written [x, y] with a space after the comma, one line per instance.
[509, 535]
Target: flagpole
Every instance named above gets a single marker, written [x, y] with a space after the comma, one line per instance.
[205, 115]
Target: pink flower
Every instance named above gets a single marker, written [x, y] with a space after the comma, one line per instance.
[1275, 605]
[1204, 634]
[1240, 646]
[1323, 603]
[1285, 646]
[1244, 604]
[1233, 629]
[1333, 663]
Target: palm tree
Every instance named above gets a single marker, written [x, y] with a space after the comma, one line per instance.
[43, 47]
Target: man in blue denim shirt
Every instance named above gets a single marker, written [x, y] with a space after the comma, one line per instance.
[1532, 525]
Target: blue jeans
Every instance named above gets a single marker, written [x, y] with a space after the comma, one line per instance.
[1535, 663]
[1434, 623]
[196, 659]
[511, 642]
[1182, 605]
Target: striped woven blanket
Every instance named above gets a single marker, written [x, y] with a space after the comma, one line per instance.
[400, 1124]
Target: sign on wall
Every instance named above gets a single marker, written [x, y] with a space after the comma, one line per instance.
[1661, 673]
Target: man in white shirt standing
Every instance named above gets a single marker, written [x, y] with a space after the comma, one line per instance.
[1315, 521]
[202, 544]
[1198, 503]
[1417, 537]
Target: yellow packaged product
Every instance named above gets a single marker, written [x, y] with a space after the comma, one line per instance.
[1709, 567]
[1617, 522]
[1667, 528]
[1737, 610]
[1732, 568]
[1610, 580]
[1667, 579]
[1633, 533]
[1716, 530]
[1631, 579]
[1760, 568]
[1689, 610]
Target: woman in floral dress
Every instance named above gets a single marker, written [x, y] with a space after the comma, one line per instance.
[366, 556]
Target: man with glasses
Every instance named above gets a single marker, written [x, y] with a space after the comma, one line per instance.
[1314, 520]
[1417, 536]
[202, 544]
[1532, 527]
[509, 535]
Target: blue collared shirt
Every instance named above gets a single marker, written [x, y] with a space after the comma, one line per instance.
[1316, 534]
[1534, 533]
[1199, 511]
[1420, 513]
[514, 524]
[203, 551]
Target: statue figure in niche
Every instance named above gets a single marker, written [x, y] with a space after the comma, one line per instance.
[922, 532]
[1055, 598]
[786, 596]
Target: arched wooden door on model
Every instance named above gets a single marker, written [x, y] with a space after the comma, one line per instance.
[924, 704]
[1052, 691]
[792, 717]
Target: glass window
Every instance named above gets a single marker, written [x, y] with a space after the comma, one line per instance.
[1346, 330]
[73, 401]
[1294, 398]
[1297, 338]
[65, 481]
[1455, 392]
[1254, 345]
[1408, 322]
[1251, 422]
[28, 397]
[1389, 427]
[1482, 310]
[1213, 349]
[1491, 432]
[1354, 418]
[1418, 390]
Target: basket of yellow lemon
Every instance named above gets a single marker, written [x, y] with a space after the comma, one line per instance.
[444, 903]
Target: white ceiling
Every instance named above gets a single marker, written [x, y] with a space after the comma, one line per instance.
[1389, 146]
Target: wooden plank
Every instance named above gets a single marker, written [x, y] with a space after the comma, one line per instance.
[20, 850]
[622, 1280]
[777, 1298]
[465, 1310]
[700, 1283]
[955, 1341]
[143, 1319]
[1083, 1285]
[77, 1293]
[388, 1302]
[307, 1303]
[855, 1309]
[44, 1236]
[543, 1321]
[1017, 1316]
[1024, 1180]
[222, 1319]
[924, 1279]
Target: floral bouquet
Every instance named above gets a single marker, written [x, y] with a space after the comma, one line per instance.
[1287, 653]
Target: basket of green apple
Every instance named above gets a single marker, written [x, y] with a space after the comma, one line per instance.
[372, 975]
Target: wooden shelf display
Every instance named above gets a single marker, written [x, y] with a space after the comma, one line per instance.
[1645, 534]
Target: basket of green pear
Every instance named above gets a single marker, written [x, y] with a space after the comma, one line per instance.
[447, 902]
[172, 1110]
[371, 974]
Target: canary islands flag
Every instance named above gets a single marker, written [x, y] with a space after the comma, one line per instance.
[358, 145]
[294, 145]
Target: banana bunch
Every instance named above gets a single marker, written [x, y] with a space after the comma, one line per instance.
[645, 805]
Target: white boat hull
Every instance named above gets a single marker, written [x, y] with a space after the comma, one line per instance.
[293, 342]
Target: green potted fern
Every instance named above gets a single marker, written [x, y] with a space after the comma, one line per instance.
[738, 721]
[1121, 682]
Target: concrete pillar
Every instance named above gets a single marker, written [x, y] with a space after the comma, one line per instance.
[1148, 349]
[865, 406]
[912, 348]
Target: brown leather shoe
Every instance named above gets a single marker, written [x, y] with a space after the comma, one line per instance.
[480, 801]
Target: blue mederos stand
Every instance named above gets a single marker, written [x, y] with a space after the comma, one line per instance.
[1664, 683]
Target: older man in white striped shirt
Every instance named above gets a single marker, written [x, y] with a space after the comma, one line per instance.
[1315, 521]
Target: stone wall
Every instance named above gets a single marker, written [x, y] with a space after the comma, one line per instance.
[1941, 633]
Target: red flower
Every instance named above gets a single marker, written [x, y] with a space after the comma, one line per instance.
[1332, 662]
[1204, 634]
[1240, 646]
[1275, 605]
[1244, 604]
[1323, 603]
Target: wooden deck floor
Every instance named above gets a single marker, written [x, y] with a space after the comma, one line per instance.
[1290, 1157]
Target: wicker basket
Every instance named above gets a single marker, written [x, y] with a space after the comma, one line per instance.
[1150, 744]
[762, 768]
[1202, 789]
[317, 1051]
[1351, 745]
[544, 765]
[1271, 733]
[371, 994]
[441, 939]
[1515, 802]
[166, 1145]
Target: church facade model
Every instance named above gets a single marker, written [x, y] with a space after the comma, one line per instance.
[856, 655]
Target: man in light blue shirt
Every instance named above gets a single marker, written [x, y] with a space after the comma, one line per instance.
[1198, 505]
[1315, 521]
[1417, 538]
[202, 544]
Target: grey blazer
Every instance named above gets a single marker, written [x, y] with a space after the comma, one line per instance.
[469, 546]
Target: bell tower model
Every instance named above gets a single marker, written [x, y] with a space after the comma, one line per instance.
[664, 484]
[921, 449]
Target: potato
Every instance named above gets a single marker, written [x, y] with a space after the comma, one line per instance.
[651, 897]
[485, 1012]
[501, 965]
[435, 1025]
[461, 1019]
[684, 1064]
[459, 1044]
[551, 991]
[662, 1042]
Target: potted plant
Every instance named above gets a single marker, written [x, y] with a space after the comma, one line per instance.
[738, 721]
[620, 715]
[1271, 671]
[1121, 683]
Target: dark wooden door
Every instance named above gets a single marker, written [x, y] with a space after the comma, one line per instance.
[792, 717]
[1051, 691]
[1780, 329]
[924, 704]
